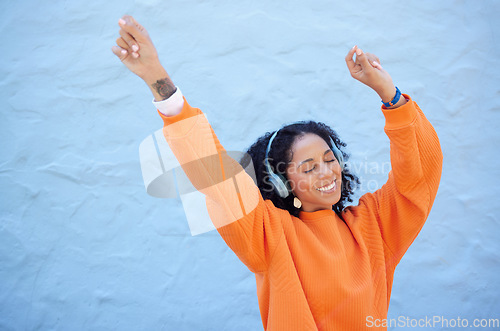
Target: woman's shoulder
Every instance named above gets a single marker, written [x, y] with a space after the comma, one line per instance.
[364, 209]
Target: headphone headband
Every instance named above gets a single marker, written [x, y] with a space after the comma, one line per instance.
[270, 142]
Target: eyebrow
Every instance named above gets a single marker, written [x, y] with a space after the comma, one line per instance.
[311, 159]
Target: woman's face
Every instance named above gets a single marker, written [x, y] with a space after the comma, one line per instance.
[314, 173]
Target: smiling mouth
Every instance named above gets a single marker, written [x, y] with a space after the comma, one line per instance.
[328, 188]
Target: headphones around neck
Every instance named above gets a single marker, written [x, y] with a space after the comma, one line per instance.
[278, 181]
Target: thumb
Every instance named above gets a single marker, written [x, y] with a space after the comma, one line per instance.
[362, 59]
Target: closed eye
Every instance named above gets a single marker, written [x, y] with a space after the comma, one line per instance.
[329, 161]
[308, 171]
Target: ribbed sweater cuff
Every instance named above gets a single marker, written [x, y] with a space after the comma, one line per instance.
[186, 112]
[180, 129]
[400, 117]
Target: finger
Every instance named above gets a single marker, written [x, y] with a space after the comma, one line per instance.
[371, 57]
[348, 59]
[362, 59]
[130, 25]
[120, 52]
[120, 42]
[377, 65]
[132, 44]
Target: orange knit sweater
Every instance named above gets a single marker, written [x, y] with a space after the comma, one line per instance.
[317, 272]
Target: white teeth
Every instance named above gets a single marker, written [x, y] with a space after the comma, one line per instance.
[326, 188]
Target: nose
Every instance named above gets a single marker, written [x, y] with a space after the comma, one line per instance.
[324, 170]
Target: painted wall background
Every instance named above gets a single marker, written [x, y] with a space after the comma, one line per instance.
[83, 247]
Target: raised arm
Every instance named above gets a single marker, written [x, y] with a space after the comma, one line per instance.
[402, 205]
[250, 226]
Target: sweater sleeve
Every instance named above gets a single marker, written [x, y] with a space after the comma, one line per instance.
[401, 206]
[249, 225]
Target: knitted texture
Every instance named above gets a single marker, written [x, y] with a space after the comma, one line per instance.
[317, 272]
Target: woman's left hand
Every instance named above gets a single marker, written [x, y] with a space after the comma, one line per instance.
[368, 70]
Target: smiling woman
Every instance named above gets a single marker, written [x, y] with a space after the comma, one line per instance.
[314, 173]
[291, 157]
[319, 265]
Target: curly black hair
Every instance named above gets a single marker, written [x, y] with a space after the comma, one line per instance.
[280, 156]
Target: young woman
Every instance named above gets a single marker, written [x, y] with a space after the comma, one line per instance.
[319, 265]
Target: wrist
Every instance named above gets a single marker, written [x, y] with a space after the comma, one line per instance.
[160, 84]
[392, 98]
[162, 89]
[154, 75]
[387, 93]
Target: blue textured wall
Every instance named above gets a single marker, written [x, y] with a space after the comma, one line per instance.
[83, 247]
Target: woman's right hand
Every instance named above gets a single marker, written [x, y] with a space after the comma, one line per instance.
[135, 48]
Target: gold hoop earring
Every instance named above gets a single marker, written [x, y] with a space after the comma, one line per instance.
[297, 203]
